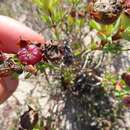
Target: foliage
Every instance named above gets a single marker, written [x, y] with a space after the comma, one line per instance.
[67, 19]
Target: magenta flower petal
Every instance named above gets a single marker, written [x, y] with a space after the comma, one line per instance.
[31, 54]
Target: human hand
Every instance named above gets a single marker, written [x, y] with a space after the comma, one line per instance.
[10, 33]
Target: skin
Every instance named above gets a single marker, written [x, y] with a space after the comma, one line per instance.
[128, 1]
[10, 33]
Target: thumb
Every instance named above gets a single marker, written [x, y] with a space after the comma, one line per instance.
[10, 33]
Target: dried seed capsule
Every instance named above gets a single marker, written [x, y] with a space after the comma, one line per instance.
[105, 11]
[28, 120]
[126, 78]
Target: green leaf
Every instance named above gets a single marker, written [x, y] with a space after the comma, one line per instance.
[12, 129]
[57, 15]
[126, 34]
[129, 69]
[52, 3]
[125, 21]
[112, 48]
[117, 93]
[109, 39]
[116, 26]
[74, 2]
[94, 25]
[79, 22]
[127, 88]
[102, 36]
[28, 75]
[36, 129]
[42, 66]
[39, 2]
[46, 19]
[53, 129]
[107, 29]
[47, 6]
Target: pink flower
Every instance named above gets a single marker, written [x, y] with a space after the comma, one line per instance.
[30, 54]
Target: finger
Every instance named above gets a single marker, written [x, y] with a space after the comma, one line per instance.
[10, 33]
[7, 87]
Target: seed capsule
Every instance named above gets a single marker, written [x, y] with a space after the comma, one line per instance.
[105, 11]
[28, 120]
[126, 78]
